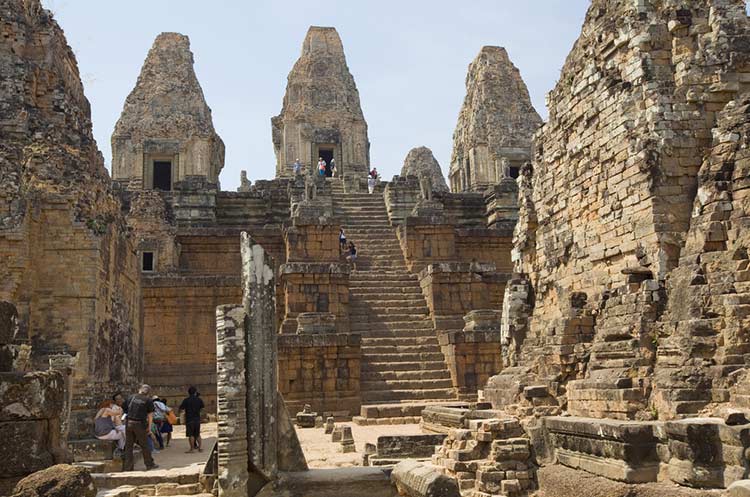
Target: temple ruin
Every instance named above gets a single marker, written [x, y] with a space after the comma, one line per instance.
[321, 116]
[496, 124]
[570, 316]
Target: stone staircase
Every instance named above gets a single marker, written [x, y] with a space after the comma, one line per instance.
[401, 360]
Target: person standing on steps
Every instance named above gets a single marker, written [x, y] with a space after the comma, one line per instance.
[192, 406]
[352, 257]
[371, 184]
[321, 166]
[342, 240]
[297, 167]
[333, 168]
[140, 416]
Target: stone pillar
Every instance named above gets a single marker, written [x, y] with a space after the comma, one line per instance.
[231, 391]
[259, 302]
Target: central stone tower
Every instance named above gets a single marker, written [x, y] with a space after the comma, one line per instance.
[321, 115]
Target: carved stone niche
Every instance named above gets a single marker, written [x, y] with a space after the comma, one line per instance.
[316, 323]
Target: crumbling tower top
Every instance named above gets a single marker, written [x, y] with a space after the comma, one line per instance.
[496, 123]
[165, 132]
[321, 114]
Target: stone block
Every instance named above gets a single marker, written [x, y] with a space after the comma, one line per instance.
[414, 479]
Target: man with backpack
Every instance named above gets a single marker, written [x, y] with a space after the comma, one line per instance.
[139, 409]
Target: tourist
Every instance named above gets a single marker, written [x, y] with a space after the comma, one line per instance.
[333, 168]
[169, 420]
[140, 417]
[297, 167]
[108, 424]
[321, 166]
[160, 417]
[374, 173]
[352, 257]
[192, 406]
[371, 184]
[342, 240]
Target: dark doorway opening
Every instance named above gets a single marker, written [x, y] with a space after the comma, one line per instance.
[327, 155]
[163, 175]
[514, 172]
[148, 261]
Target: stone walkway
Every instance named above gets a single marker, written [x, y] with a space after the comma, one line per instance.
[320, 452]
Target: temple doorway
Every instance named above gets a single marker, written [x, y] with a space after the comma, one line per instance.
[162, 175]
[327, 155]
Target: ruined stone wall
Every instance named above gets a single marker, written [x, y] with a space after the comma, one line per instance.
[321, 370]
[606, 205]
[71, 269]
[166, 118]
[321, 110]
[704, 333]
[180, 335]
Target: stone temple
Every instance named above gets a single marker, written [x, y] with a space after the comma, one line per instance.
[567, 315]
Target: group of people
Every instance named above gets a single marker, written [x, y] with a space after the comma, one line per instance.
[326, 168]
[147, 420]
[329, 170]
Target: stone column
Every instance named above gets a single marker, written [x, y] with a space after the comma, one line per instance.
[231, 391]
[259, 294]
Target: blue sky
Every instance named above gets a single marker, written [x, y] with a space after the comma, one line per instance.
[409, 59]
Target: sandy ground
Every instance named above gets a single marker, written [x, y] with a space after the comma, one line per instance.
[317, 446]
[174, 456]
[320, 452]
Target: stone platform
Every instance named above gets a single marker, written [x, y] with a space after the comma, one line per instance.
[398, 413]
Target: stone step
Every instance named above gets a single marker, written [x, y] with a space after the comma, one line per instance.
[382, 329]
[375, 308]
[383, 324]
[412, 303]
[429, 374]
[402, 333]
[400, 349]
[182, 476]
[372, 367]
[406, 357]
[408, 395]
[409, 340]
[363, 276]
[401, 409]
[407, 384]
[393, 293]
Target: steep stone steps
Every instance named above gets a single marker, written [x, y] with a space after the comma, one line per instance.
[401, 358]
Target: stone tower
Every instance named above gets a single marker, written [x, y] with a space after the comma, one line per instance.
[421, 163]
[495, 126]
[321, 115]
[165, 133]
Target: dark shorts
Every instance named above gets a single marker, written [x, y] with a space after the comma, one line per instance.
[193, 428]
[165, 427]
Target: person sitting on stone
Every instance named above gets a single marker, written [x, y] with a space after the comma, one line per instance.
[342, 240]
[108, 424]
[321, 166]
[352, 257]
